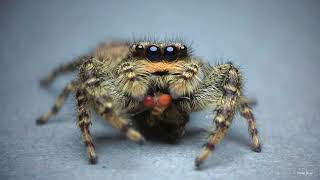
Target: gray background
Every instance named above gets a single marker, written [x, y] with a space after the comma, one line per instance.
[276, 44]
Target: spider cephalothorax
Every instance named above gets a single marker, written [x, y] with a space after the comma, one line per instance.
[155, 84]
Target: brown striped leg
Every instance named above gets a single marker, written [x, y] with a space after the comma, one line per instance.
[225, 113]
[105, 109]
[62, 69]
[58, 104]
[84, 123]
[104, 105]
[251, 102]
[246, 112]
[222, 125]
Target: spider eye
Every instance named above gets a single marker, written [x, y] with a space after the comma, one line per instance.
[138, 50]
[153, 52]
[183, 51]
[183, 48]
[171, 52]
[139, 46]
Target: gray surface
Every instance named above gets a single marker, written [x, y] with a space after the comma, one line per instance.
[276, 43]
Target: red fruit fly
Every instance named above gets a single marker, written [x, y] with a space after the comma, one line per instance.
[148, 101]
[164, 100]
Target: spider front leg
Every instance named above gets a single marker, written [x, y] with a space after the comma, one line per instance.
[220, 87]
[222, 120]
[102, 89]
[58, 104]
[105, 106]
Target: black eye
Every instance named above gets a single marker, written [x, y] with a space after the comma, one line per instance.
[183, 51]
[171, 52]
[183, 48]
[138, 50]
[153, 52]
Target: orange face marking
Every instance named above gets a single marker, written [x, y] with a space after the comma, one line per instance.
[153, 67]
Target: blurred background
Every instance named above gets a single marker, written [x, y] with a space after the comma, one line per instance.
[275, 43]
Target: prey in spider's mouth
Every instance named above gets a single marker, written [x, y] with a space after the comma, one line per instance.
[158, 99]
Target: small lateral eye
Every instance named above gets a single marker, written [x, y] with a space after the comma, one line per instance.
[139, 46]
[183, 48]
[171, 52]
[153, 52]
[138, 50]
[183, 51]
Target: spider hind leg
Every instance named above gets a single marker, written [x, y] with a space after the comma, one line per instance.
[84, 123]
[58, 103]
[62, 69]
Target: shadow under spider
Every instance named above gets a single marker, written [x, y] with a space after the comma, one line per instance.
[117, 137]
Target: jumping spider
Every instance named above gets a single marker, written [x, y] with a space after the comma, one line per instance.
[156, 85]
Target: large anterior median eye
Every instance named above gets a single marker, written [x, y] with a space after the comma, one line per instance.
[171, 52]
[153, 52]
